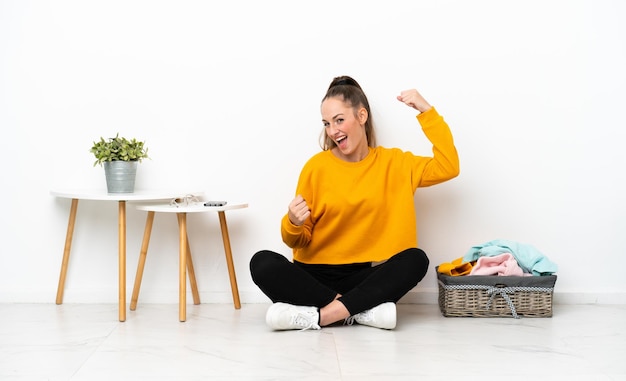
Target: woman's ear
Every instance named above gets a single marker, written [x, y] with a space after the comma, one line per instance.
[362, 115]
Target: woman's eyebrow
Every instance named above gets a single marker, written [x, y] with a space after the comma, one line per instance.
[334, 117]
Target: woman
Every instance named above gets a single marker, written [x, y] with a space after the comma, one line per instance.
[352, 224]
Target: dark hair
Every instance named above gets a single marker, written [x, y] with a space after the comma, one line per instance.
[348, 90]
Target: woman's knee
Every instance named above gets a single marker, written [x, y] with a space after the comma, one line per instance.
[263, 263]
[416, 262]
[420, 257]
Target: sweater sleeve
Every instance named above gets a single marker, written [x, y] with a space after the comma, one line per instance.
[295, 236]
[444, 165]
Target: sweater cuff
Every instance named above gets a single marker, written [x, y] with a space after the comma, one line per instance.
[427, 116]
[289, 227]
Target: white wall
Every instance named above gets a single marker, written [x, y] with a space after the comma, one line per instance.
[226, 95]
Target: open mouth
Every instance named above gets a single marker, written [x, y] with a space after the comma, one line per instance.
[342, 141]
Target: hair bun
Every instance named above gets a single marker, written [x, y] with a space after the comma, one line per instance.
[344, 80]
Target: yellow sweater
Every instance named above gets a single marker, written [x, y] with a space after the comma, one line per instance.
[364, 211]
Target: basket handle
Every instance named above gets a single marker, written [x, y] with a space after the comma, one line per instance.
[502, 290]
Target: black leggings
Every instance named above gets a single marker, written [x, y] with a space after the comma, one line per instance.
[362, 286]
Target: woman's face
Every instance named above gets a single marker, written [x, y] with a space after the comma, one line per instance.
[346, 129]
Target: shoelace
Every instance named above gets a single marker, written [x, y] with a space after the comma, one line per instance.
[349, 320]
[363, 316]
[304, 321]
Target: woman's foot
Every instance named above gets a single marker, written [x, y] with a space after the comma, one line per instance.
[382, 316]
[283, 316]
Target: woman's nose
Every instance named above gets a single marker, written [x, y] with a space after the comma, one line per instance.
[332, 129]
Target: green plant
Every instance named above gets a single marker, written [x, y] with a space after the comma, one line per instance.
[118, 149]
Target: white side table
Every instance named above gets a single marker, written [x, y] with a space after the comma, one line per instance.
[121, 198]
[185, 261]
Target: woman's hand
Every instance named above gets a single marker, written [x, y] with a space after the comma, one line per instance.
[414, 99]
[298, 211]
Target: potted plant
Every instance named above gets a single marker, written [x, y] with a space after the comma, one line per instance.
[119, 156]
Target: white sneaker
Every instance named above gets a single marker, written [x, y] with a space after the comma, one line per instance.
[381, 316]
[283, 316]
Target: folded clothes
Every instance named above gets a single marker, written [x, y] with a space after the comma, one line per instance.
[503, 265]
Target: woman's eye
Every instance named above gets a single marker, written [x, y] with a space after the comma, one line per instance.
[339, 121]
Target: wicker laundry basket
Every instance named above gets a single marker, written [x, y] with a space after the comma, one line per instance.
[495, 296]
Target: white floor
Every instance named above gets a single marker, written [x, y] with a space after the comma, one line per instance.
[217, 342]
